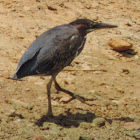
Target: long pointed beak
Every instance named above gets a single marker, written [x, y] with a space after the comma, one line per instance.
[104, 25]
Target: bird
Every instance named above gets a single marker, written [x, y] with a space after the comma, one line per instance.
[55, 49]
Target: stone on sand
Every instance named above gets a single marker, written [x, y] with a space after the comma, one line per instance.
[119, 44]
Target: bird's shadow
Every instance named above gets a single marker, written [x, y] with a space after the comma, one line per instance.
[67, 120]
[74, 120]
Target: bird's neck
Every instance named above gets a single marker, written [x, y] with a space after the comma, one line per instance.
[82, 32]
[82, 29]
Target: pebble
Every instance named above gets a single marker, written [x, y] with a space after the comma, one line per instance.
[51, 6]
[119, 44]
[39, 137]
[135, 134]
[48, 125]
[20, 104]
[52, 128]
[94, 93]
[98, 122]
[131, 125]
[85, 125]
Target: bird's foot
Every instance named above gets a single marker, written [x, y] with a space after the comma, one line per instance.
[74, 96]
[49, 115]
[78, 97]
[83, 99]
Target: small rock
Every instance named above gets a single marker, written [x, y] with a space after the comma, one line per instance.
[27, 89]
[126, 71]
[98, 122]
[115, 101]
[131, 125]
[136, 57]
[52, 128]
[119, 44]
[30, 106]
[39, 137]
[48, 125]
[94, 93]
[20, 104]
[85, 125]
[51, 6]
[135, 134]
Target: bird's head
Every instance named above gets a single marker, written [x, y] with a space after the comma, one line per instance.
[86, 26]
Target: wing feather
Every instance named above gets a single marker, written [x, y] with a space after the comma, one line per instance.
[61, 55]
[50, 50]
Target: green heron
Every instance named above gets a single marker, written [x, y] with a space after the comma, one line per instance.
[55, 49]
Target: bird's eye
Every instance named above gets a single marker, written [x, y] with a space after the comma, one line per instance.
[92, 24]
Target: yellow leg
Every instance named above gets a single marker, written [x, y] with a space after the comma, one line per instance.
[74, 96]
[49, 114]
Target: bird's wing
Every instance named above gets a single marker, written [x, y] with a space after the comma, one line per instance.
[33, 49]
[47, 48]
[62, 52]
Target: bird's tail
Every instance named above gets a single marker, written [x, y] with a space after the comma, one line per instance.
[15, 77]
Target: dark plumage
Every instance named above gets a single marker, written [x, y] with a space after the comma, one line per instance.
[55, 49]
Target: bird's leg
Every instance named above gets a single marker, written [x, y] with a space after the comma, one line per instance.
[74, 96]
[49, 114]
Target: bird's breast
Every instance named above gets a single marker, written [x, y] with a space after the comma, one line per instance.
[83, 42]
[81, 46]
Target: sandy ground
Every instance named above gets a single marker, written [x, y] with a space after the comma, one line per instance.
[110, 77]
